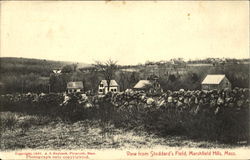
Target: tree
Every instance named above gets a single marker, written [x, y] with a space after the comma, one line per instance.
[194, 77]
[134, 78]
[67, 69]
[74, 67]
[172, 77]
[122, 80]
[57, 83]
[108, 70]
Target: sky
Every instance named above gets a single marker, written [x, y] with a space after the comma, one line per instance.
[129, 32]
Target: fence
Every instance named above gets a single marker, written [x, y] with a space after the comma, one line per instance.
[221, 115]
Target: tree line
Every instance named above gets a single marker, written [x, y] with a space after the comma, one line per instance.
[27, 78]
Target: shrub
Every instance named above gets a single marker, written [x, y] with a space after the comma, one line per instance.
[221, 115]
[8, 120]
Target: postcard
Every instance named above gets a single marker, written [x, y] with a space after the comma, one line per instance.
[124, 80]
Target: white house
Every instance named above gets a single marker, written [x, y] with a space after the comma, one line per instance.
[103, 87]
[57, 71]
[73, 87]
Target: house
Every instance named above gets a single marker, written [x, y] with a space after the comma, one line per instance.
[150, 86]
[142, 84]
[73, 87]
[103, 87]
[215, 81]
[57, 71]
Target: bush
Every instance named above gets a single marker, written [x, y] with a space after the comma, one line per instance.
[8, 120]
[210, 115]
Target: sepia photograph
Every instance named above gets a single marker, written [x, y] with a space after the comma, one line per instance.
[124, 80]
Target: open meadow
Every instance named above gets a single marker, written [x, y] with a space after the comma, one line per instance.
[36, 132]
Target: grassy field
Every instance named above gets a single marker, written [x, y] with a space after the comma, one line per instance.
[21, 131]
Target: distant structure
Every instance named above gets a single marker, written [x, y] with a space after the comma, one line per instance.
[73, 87]
[57, 71]
[151, 86]
[215, 81]
[103, 87]
[142, 85]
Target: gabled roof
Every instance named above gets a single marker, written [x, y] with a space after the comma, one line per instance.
[213, 79]
[142, 84]
[75, 85]
[57, 71]
[112, 83]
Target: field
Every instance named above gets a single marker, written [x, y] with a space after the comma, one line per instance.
[40, 133]
[126, 120]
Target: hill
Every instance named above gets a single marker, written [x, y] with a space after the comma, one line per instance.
[42, 67]
[35, 75]
[25, 74]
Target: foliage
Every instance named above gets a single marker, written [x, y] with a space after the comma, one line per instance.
[67, 69]
[8, 121]
[57, 83]
[31, 75]
[23, 66]
[108, 70]
[211, 115]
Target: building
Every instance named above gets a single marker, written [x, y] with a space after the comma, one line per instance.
[148, 86]
[73, 87]
[57, 71]
[103, 87]
[142, 85]
[215, 81]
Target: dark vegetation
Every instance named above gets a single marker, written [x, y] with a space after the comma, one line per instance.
[20, 75]
[24, 75]
[218, 116]
[221, 116]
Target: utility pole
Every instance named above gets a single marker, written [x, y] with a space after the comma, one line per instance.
[22, 76]
[49, 88]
